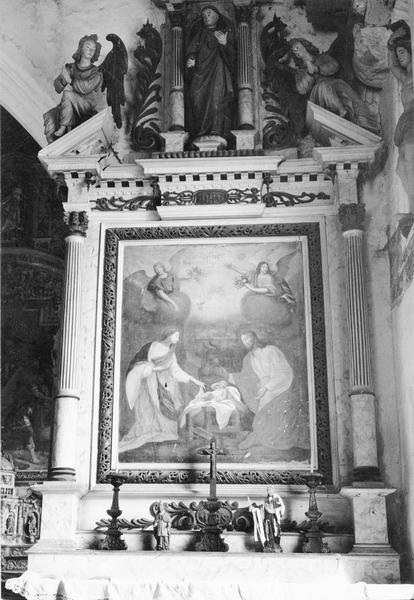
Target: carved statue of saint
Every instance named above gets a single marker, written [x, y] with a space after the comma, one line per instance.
[81, 84]
[267, 519]
[162, 526]
[210, 68]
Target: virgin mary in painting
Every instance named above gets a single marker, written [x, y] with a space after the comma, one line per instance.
[153, 393]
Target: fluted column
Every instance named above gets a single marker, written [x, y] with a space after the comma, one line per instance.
[176, 72]
[351, 217]
[244, 69]
[63, 459]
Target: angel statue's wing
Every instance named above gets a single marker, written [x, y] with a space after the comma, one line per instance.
[114, 68]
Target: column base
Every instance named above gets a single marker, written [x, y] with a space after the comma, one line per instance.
[62, 474]
[210, 143]
[174, 140]
[245, 138]
[367, 474]
[373, 549]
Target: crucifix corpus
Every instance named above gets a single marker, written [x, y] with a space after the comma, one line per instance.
[212, 452]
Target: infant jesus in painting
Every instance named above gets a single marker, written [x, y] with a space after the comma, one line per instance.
[223, 398]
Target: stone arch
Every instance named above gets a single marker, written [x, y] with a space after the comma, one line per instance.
[22, 96]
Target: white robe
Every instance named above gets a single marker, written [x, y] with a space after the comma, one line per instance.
[265, 383]
[141, 388]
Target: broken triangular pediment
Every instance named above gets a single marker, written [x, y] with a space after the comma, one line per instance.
[91, 141]
[331, 130]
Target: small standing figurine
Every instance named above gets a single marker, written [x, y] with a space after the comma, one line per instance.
[267, 518]
[81, 84]
[32, 530]
[162, 525]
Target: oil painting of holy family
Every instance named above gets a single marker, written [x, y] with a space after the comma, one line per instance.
[214, 340]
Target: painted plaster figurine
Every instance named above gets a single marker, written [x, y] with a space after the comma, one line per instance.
[400, 63]
[267, 519]
[81, 84]
[210, 68]
[162, 526]
[316, 77]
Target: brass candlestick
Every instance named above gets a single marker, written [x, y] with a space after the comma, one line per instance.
[113, 539]
[313, 535]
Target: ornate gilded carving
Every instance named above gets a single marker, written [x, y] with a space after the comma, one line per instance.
[273, 199]
[119, 204]
[237, 476]
[183, 519]
[351, 216]
[145, 134]
[137, 203]
[212, 196]
[285, 108]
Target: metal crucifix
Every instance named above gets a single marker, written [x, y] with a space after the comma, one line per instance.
[212, 452]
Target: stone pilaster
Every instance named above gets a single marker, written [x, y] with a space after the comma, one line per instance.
[351, 217]
[244, 69]
[176, 105]
[63, 459]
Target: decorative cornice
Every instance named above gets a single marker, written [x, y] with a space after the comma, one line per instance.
[228, 164]
[351, 217]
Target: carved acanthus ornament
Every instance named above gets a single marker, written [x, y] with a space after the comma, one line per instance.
[77, 222]
[351, 216]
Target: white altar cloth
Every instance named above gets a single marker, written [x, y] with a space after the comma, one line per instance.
[35, 587]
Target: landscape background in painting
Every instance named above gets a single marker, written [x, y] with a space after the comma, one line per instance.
[211, 306]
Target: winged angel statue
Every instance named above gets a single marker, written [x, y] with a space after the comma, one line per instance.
[82, 84]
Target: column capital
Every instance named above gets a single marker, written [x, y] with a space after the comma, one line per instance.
[351, 216]
[77, 222]
[243, 11]
[176, 17]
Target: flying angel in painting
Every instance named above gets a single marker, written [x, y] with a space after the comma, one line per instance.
[82, 84]
[269, 295]
[159, 295]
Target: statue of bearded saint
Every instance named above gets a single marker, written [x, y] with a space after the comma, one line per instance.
[210, 71]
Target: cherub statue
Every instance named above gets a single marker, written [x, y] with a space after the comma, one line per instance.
[82, 84]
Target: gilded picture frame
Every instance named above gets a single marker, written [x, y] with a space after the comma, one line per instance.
[213, 331]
